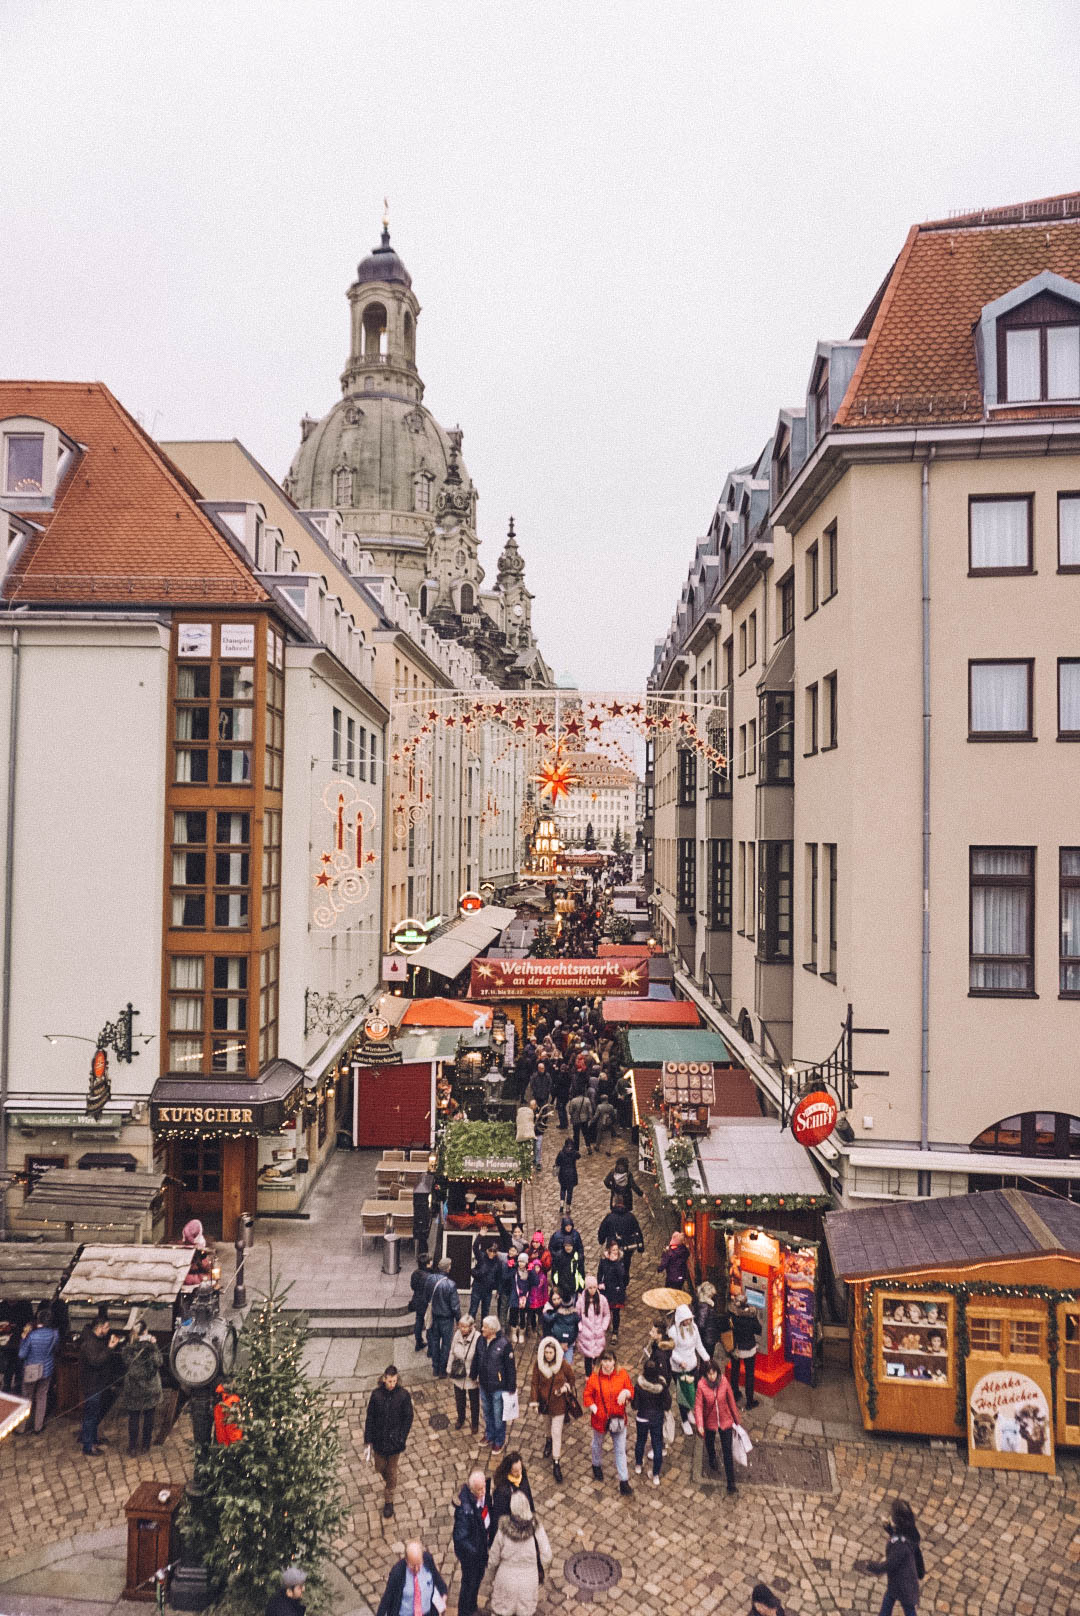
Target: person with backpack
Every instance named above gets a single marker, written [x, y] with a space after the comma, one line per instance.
[903, 1566]
[621, 1225]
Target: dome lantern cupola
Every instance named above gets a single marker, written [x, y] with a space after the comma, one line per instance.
[383, 314]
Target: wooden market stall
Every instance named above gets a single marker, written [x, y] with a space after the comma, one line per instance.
[31, 1273]
[482, 1169]
[107, 1202]
[749, 1201]
[650, 1012]
[118, 1277]
[966, 1316]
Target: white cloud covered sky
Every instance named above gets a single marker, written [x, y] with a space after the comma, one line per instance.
[627, 224]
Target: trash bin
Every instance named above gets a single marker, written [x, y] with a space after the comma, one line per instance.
[245, 1229]
[391, 1252]
[151, 1540]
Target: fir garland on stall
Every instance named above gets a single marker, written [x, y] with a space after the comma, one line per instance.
[273, 1497]
[961, 1293]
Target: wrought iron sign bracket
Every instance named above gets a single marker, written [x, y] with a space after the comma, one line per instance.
[836, 1073]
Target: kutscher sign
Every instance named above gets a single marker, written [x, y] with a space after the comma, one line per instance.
[558, 978]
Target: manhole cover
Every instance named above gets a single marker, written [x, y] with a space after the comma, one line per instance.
[774, 1464]
[591, 1573]
[439, 1422]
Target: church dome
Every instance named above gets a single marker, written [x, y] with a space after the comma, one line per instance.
[383, 264]
[374, 451]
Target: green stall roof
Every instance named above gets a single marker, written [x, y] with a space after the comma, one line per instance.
[652, 1046]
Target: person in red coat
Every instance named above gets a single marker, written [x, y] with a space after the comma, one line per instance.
[715, 1410]
[608, 1391]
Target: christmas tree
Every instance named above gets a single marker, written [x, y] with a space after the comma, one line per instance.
[273, 1498]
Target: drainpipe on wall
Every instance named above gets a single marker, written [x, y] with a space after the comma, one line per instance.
[924, 1091]
[9, 893]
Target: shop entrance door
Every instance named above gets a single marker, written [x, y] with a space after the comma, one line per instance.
[197, 1164]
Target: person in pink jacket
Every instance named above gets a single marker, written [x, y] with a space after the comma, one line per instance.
[595, 1315]
[715, 1410]
[539, 1296]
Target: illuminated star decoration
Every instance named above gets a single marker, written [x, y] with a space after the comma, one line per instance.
[555, 778]
[630, 979]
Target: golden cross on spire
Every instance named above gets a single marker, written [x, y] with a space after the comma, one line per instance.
[386, 213]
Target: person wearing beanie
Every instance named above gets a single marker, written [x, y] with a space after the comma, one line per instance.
[289, 1600]
[595, 1316]
[520, 1552]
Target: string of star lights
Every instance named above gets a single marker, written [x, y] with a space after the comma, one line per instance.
[550, 727]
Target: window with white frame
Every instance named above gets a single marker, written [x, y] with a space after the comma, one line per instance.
[999, 534]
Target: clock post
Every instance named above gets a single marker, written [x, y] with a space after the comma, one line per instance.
[203, 1350]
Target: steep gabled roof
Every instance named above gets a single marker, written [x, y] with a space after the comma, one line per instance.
[919, 365]
[126, 526]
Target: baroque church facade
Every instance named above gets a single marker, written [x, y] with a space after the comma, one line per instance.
[396, 477]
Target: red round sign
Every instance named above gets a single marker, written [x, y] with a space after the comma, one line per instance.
[814, 1118]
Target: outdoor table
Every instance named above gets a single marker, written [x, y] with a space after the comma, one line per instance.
[665, 1300]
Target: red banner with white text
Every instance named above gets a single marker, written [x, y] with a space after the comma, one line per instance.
[558, 978]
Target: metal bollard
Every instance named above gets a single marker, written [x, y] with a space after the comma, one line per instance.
[239, 1297]
[245, 1225]
[391, 1257]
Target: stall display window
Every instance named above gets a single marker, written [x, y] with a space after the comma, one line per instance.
[1071, 1372]
[916, 1339]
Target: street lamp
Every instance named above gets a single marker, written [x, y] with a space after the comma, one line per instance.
[203, 1350]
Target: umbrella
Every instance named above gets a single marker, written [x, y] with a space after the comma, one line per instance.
[665, 1300]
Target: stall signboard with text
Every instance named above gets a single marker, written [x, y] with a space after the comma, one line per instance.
[558, 978]
[1010, 1426]
[800, 1301]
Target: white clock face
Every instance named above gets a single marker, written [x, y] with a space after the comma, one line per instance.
[195, 1362]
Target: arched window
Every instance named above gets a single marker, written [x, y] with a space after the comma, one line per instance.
[422, 492]
[1054, 1134]
[410, 337]
[343, 486]
[427, 597]
[466, 598]
[374, 330]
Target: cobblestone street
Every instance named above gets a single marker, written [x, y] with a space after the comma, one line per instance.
[994, 1542]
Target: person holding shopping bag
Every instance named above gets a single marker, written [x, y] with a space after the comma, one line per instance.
[715, 1411]
[554, 1394]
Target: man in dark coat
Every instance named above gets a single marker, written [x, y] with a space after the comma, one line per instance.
[386, 1430]
[567, 1258]
[445, 1312]
[289, 1601]
[471, 1520]
[97, 1358]
[421, 1282]
[417, 1567]
[496, 1372]
[621, 1225]
[485, 1274]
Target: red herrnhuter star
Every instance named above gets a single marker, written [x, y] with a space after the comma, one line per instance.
[555, 779]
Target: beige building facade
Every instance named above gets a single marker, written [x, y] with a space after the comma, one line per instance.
[897, 625]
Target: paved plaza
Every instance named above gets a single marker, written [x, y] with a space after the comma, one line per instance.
[994, 1542]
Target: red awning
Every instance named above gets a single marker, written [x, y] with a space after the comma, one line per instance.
[650, 1013]
[444, 1013]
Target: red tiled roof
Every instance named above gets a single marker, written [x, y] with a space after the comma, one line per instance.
[126, 526]
[918, 364]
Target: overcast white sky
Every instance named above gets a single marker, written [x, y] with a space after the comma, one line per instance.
[627, 224]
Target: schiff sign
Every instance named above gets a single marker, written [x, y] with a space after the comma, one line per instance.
[558, 978]
[815, 1117]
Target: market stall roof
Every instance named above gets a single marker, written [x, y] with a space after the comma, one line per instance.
[96, 1196]
[951, 1230]
[460, 943]
[34, 1271]
[659, 991]
[437, 1043]
[650, 1013]
[445, 1013]
[661, 969]
[755, 1156]
[624, 950]
[652, 1046]
[128, 1274]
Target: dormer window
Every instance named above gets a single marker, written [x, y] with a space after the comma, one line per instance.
[782, 464]
[822, 417]
[24, 467]
[1039, 351]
